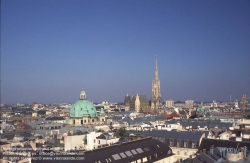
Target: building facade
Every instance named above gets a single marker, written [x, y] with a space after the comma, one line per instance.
[139, 103]
[189, 104]
[156, 91]
[169, 103]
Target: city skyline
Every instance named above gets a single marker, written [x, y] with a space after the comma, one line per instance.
[51, 49]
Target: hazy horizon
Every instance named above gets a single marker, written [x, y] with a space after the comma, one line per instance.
[51, 49]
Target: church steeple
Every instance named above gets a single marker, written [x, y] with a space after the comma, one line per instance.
[156, 68]
[156, 92]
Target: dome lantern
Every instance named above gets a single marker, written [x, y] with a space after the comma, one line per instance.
[83, 95]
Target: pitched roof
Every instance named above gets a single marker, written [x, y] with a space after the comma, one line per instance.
[124, 153]
[55, 118]
[207, 143]
[173, 134]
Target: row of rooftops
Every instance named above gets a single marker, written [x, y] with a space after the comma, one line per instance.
[146, 148]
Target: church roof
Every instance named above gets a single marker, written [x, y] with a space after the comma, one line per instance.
[83, 107]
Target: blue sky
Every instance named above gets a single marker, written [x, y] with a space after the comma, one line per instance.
[50, 49]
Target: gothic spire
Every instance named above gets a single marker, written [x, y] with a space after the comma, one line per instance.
[156, 68]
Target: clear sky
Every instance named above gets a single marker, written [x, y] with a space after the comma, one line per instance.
[50, 49]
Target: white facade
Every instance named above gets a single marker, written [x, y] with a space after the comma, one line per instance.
[70, 142]
[189, 103]
[214, 104]
[93, 142]
[169, 127]
[137, 104]
[169, 103]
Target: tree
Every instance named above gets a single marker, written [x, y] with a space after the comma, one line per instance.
[121, 132]
[111, 126]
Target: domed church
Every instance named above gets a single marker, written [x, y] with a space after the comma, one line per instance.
[84, 112]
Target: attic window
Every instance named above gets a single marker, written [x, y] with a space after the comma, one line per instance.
[133, 151]
[158, 146]
[116, 157]
[139, 150]
[128, 153]
[123, 155]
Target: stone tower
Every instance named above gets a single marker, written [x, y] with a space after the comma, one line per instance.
[156, 92]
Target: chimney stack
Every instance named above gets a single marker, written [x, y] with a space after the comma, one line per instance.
[204, 150]
[200, 152]
[190, 157]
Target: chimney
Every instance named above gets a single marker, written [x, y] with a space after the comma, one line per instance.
[190, 157]
[200, 152]
[204, 150]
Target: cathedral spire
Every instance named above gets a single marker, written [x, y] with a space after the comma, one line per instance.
[156, 68]
[156, 92]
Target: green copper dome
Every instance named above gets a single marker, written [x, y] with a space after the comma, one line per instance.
[200, 111]
[102, 112]
[83, 108]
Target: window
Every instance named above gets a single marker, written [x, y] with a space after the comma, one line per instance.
[94, 140]
[139, 150]
[128, 153]
[84, 121]
[178, 144]
[171, 143]
[133, 151]
[99, 141]
[116, 157]
[123, 155]
[93, 120]
[185, 144]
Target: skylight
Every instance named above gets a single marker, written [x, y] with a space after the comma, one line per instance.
[133, 151]
[128, 153]
[116, 157]
[123, 155]
[139, 150]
